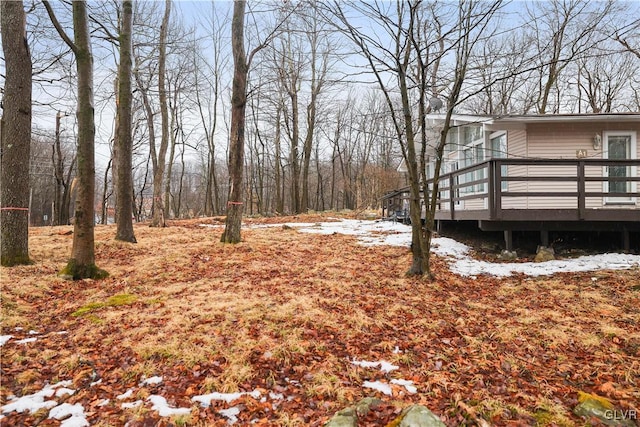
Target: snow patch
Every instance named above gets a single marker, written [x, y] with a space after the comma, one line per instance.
[62, 391]
[26, 340]
[36, 401]
[373, 233]
[205, 399]
[164, 410]
[127, 394]
[379, 386]
[152, 381]
[75, 414]
[407, 384]
[230, 414]
[4, 339]
[130, 405]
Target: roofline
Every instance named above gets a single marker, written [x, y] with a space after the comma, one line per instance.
[539, 118]
[551, 118]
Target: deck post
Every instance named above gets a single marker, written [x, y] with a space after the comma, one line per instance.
[626, 240]
[508, 240]
[544, 238]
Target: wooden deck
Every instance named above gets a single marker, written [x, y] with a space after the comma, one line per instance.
[521, 195]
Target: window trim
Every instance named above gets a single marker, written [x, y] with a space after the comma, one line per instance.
[633, 154]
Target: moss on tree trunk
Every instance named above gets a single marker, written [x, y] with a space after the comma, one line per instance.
[76, 271]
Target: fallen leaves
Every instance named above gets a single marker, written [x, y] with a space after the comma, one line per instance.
[287, 313]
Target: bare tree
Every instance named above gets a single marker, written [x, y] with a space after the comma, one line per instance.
[241, 65]
[159, 157]
[15, 135]
[82, 262]
[124, 137]
[561, 32]
[319, 62]
[603, 79]
[233, 222]
[412, 58]
[63, 170]
[628, 32]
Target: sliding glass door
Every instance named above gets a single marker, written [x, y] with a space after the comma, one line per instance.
[620, 146]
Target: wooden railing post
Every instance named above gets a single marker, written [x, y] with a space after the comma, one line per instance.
[497, 209]
[582, 203]
[492, 186]
[452, 178]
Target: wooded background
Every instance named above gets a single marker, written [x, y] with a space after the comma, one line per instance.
[318, 131]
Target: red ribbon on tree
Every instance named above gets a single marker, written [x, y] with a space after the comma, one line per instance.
[10, 208]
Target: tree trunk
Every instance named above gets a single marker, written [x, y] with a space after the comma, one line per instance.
[295, 158]
[278, 178]
[307, 149]
[104, 217]
[61, 199]
[15, 135]
[124, 139]
[81, 265]
[172, 154]
[158, 173]
[233, 222]
[317, 82]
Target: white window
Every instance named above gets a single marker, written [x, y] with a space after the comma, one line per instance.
[499, 151]
[472, 153]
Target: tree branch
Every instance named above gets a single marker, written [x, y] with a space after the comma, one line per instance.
[59, 28]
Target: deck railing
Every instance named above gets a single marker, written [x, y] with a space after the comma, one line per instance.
[526, 189]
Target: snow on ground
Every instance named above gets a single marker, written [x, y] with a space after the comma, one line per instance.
[164, 410]
[151, 381]
[73, 415]
[205, 399]
[379, 386]
[407, 384]
[385, 366]
[373, 233]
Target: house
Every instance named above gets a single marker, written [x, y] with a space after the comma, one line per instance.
[543, 173]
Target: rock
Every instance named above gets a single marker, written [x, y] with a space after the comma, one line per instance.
[412, 416]
[419, 416]
[345, 418]
[364, 406]
[489, 247]
[348, 417]
[545, 254]
[592, 406]
[508, 255]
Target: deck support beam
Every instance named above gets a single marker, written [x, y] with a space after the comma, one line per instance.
[508, 240]
[626, 240]
[544, 238]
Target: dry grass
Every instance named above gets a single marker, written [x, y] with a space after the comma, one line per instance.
[286, 312]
